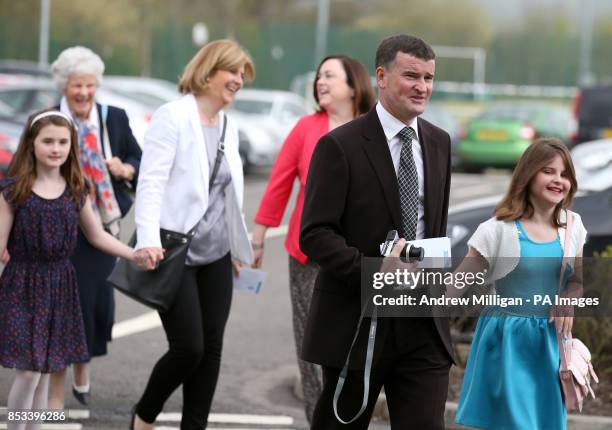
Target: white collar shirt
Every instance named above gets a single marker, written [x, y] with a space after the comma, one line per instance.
[391, 127]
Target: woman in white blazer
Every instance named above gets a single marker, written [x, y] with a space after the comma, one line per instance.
[173, 193]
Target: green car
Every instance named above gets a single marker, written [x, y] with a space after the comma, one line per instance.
[500, 135]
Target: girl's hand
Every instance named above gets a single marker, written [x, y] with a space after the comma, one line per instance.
[5, 257]
[563, 317]
[236, 266]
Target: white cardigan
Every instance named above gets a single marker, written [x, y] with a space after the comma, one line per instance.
[494, 238]
[172, 190]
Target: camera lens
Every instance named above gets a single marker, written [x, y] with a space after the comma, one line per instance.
[415, 253]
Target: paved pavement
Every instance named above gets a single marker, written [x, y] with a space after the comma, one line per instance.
[258, 367]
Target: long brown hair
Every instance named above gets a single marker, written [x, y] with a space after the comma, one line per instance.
[515, 203]
[357, 79]
[23, 164]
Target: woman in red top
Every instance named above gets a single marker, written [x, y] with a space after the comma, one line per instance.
[343, 91]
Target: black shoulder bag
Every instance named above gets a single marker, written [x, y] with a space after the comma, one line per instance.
[157, 288]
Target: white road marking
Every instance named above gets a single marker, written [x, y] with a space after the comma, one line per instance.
[226, 428]
[78, 414]
[248, 419]
[141, 323]
[54, 426]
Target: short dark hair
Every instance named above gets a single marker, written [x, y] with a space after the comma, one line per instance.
[389, 47]
[357, 78]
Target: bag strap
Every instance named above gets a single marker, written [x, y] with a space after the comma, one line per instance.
[108, 153]
[564, 350]
[220, 152]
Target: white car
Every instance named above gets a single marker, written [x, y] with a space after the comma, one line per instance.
[24, 95]
[265, 118]
[148, 91]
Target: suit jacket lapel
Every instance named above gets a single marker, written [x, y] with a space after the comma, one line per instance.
[377, 150]
[430, 155]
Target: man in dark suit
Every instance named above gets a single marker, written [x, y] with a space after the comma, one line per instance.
[386, 170]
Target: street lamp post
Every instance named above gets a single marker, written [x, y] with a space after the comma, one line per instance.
[43, 39]
[322, 30]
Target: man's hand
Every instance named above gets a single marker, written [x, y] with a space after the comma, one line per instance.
[393, 261]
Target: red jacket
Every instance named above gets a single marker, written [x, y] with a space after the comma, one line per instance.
[293, 160]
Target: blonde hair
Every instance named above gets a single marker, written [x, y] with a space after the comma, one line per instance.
[221, 54]
[516, 202]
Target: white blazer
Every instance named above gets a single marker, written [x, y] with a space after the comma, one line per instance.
[172, 190]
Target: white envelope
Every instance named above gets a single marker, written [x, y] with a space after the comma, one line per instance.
[437, 252]
[251, 280]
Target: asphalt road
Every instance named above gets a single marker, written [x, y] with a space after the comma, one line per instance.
[259, 366]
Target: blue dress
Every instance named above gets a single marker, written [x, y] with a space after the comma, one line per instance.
[41, 327]
[511, 379]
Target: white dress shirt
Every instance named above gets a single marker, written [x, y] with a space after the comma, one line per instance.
[391, 127]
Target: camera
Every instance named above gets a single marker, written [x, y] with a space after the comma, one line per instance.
[410, 253]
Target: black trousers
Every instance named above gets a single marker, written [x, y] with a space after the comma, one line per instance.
[194, 327]
[414, 372]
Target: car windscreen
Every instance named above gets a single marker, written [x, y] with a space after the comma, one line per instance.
[257, 107]
[510, 113]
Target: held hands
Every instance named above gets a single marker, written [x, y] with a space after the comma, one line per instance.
[148, 258]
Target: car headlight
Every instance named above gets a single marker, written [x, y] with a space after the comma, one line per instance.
[457, 233]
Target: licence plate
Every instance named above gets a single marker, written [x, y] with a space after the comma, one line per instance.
[607, 132]
[491, 135]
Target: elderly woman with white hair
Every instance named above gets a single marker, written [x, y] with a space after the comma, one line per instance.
[110, 159]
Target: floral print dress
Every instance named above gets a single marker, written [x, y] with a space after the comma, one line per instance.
[41, 325]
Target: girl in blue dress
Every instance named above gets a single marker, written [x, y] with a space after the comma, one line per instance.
[511, 380]
[41, 204]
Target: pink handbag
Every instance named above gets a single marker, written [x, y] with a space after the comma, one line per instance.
[576, 370]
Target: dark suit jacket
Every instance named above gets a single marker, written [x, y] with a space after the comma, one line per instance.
[124, 146]
[351, 202]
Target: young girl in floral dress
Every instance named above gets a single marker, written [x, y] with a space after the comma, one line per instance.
[41, 203]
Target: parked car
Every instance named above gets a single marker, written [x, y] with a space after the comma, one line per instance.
[265, 117]
[23, 67]
[24, 95]
[593, 111]
[439, 116]
[148, 91]
[499, 136]
[593, 202]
